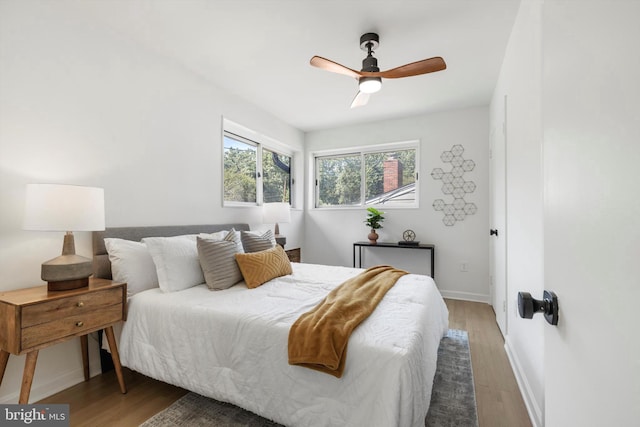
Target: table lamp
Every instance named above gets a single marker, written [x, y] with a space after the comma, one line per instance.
[275, 213]
[69, 208]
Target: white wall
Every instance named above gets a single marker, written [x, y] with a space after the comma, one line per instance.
[520, 81]
[330, 233]
[80, 104]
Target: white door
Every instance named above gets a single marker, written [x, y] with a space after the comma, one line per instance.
[498, 221]
[591, 127]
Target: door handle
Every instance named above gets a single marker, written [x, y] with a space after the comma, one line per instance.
[528, 306]
[493, 232]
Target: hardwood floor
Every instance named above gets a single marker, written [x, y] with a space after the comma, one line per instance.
[499, 400]
[98, 402]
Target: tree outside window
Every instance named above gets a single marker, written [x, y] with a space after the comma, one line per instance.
[389, 178]
[254, 174]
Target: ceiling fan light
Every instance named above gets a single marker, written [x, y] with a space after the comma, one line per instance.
[370, 84]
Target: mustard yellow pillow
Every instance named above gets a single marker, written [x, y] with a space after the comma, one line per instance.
[260, 267]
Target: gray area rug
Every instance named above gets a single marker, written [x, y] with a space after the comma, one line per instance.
[453, 402]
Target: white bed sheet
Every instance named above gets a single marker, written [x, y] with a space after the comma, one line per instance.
[231, 345]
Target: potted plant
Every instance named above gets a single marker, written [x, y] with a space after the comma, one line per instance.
[374, 221]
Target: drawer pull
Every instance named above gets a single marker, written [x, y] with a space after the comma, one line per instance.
[80, 304]
[80, 324]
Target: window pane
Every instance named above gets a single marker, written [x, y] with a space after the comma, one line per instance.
[240, 160]
[339, 180]
[390, 177]
[276, 181]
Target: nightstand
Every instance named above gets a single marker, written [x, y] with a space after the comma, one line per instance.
[34, 318]
[293, 254]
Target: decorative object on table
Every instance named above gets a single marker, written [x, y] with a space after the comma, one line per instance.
[454, 184]
[409, 238]
[374, 221]
[69, 208]
[279, 212]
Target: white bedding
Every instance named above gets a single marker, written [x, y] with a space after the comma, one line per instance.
[231, 345]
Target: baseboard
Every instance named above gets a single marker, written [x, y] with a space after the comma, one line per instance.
[534, 410]
[465, 296]
[53, 385]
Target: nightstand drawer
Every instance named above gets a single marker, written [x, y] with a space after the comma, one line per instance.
[52, 310]
[43, 333]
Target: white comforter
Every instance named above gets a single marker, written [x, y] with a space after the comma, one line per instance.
[231, 345]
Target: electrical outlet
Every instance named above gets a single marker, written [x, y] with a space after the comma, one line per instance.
[464, 267]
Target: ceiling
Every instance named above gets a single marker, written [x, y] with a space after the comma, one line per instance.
[260, 50]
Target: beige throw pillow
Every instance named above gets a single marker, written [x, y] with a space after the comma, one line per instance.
[260, 267]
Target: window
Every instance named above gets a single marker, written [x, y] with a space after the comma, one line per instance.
[240, 169]
[380, 175]
[253, 173]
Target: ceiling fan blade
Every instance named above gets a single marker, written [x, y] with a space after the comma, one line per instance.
[334, 67]
[360, 99]
[417, 68]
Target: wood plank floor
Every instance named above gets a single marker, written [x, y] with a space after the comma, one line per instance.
[499, 400]
[98, 402]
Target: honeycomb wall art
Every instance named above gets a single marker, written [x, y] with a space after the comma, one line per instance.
[454, 185]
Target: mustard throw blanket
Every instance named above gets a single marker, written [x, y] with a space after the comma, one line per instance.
[318, 339]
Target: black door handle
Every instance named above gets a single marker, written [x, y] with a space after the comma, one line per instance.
[493, 232]
[528, 306]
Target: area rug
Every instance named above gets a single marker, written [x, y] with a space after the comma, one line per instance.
[453, 402]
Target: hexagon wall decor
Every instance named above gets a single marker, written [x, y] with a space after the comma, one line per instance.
[454, 185]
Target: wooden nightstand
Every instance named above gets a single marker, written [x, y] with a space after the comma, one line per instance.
[293, 254]
[34, 318]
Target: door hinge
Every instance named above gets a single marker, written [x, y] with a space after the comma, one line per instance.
[504, 306]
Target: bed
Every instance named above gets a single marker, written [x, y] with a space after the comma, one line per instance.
[231, 344]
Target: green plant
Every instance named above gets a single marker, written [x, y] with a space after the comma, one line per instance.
[374, 218]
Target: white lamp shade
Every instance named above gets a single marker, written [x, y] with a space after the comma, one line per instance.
[54, 207]
[276, 213]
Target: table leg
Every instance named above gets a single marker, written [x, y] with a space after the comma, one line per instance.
[4, 359]
[27, 377]
[84, 344]
[115, 357]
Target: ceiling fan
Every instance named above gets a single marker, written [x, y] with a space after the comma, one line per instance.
[370, 77]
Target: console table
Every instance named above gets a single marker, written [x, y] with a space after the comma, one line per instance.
[360, 245]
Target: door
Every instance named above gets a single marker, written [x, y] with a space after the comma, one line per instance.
[591, 143]
[498, 194]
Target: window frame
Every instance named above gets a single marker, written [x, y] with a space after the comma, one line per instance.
[247, 136]
[362, 151]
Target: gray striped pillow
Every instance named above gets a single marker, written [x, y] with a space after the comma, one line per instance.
[218, 262]
[252, 242]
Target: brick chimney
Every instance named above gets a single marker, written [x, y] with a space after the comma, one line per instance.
[392, 175]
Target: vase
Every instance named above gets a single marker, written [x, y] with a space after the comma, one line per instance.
[373, 236]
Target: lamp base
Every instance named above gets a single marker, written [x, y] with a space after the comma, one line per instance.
[65, 285]
[67, 272]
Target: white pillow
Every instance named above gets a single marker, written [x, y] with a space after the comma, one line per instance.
[218, 235]
[176, 260]
[131, 262]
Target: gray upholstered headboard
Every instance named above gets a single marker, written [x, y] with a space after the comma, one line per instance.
[101, 264]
